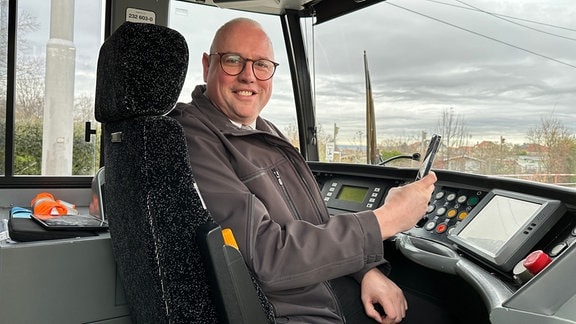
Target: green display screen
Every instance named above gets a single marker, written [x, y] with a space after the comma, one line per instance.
[351, 193]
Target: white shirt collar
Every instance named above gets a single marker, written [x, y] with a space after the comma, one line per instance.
[239, 125]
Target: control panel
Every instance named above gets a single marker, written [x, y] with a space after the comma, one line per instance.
[520, 220]
[513, 242]
[447, 208]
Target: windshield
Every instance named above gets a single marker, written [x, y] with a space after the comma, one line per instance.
[497, 79]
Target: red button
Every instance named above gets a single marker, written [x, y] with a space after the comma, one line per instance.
[536, 261]
[441, 228]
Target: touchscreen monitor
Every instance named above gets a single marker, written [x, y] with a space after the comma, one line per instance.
[505, 226]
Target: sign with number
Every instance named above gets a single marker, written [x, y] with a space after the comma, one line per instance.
[140, 16]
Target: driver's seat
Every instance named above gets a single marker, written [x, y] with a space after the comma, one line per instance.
[171, 257]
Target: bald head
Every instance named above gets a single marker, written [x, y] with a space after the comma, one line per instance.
[229, 28]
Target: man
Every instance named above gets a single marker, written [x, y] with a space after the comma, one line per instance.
[256, 183]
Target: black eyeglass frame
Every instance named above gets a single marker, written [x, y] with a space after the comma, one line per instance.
[221, 55]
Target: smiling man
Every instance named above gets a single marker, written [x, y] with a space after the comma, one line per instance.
[244, 53]
[256, 183]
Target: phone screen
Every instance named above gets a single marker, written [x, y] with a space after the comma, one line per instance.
[429, 156]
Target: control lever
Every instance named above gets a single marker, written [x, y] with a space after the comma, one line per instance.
[428, 253]
[441, 258]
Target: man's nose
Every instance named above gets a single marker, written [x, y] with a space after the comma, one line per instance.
[247, 73]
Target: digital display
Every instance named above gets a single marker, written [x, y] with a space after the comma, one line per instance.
[505, 226]
[497, 223]
[352, 193]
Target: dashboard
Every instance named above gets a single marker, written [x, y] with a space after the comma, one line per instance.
[511, 240]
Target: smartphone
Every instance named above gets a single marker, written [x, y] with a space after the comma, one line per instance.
[429, 156]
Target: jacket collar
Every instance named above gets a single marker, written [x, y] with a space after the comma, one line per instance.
[221, 121]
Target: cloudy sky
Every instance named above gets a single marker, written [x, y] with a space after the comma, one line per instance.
[501, 65]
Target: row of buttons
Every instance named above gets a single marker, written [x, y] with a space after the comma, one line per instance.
[447, 208]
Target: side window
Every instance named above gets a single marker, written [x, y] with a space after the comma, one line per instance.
[3, 79]
[280, 109]
[56, 54]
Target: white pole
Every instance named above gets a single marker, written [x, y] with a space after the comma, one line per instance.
[58, 132]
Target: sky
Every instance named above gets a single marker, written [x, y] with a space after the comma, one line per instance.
[501, 65]
[427, 56]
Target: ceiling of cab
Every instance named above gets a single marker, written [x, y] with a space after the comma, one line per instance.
[274, 7]
[323, 10]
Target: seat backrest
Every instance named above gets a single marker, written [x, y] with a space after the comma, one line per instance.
[156, 215]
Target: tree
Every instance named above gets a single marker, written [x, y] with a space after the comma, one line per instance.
[559, 143]
[453, 130]
[393, 146]
[357, 154]
[291, 132]
[86, 155]
[28, 147]
[83, 108]
[29, 88]
[26, 24]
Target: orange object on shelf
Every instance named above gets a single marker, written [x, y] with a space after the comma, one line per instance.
[45, 204]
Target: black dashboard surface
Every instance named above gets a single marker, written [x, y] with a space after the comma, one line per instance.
[352, 187]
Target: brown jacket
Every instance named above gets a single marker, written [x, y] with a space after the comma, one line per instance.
[256, 183]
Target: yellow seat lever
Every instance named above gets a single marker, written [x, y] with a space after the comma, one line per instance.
[229, 237]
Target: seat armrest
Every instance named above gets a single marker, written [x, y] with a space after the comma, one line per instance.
[235, 294]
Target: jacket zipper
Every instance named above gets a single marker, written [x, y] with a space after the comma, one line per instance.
[302, 180]
[310, 195]
[285, 193]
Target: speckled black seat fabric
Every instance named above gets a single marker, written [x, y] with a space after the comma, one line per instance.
[152, 206]
[157, 219]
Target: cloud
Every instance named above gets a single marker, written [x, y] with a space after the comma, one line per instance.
[426, 56]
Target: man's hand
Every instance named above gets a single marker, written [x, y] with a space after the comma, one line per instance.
[404, 206]
[378, 289]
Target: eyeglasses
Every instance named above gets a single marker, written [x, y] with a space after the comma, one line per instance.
[233, 64]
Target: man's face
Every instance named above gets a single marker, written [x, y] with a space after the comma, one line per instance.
[239, 97]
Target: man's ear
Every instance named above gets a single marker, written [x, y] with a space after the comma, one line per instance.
[205, 65]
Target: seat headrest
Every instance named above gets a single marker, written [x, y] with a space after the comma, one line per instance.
[141, 71]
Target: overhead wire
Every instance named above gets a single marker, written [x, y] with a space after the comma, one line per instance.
[515, 23]
[483, 35]
[502, 15]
